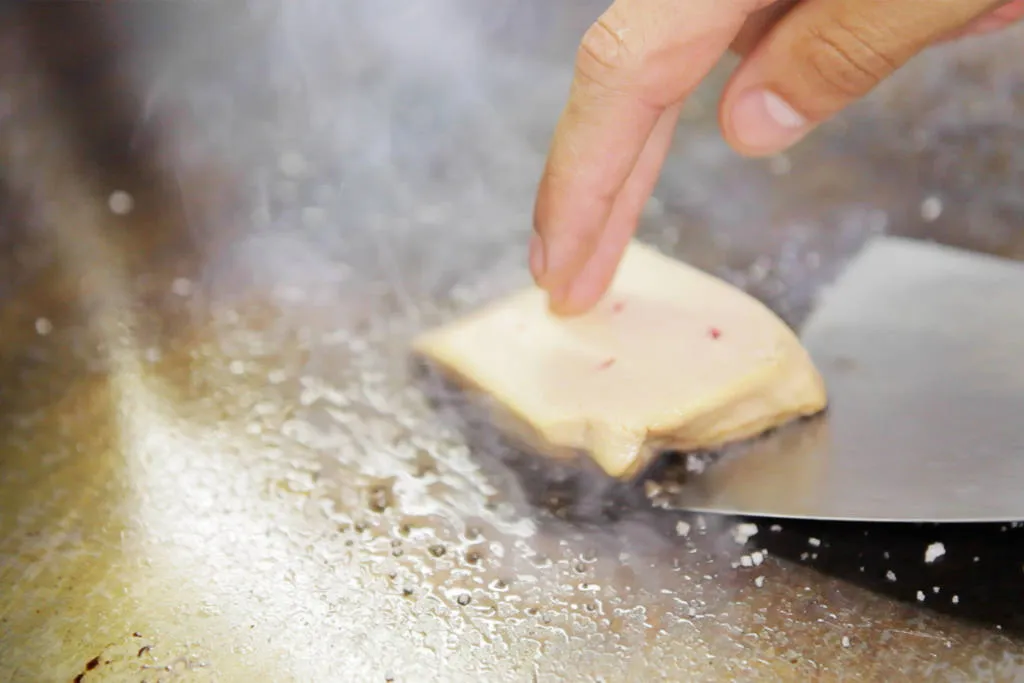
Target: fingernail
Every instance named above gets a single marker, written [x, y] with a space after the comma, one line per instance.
[764, 121]
[537, 258]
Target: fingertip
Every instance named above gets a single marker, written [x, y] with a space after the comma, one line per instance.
[593, 282]
[569, 217]
[579, 294]
[582, 295]
[573, 302]
[757, 121]
[560, 303]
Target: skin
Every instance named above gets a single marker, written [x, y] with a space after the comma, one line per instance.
[803, 62]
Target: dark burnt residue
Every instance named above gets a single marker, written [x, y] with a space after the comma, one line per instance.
[89, 666]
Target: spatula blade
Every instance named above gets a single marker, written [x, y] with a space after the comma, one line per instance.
[922, 350]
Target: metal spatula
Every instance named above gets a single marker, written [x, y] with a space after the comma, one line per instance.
[922, 349]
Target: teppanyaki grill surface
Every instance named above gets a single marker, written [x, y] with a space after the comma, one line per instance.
[214, 464]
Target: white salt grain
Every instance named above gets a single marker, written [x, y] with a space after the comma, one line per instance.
[741, 533]
[931, 209]
[746, 561]
[890, 576]
[683, 528]
[759, 581]
[695, 464]
[43, 326]
[181, 286]
[920, 596]
[814, 542]
[775, 528]
[846, 641]
[757, 557]
[955, 599]
[934, 552]
[120, 203]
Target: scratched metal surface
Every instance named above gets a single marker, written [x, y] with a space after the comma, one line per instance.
[216, 463]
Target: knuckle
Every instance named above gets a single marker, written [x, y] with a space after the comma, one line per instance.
[608, 51]
[844, 61]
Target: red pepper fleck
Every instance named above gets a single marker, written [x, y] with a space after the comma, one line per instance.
[618, 306]
[715, 333]
[606, 364]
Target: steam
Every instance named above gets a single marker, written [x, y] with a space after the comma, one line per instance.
[383, 138]
[386, 153]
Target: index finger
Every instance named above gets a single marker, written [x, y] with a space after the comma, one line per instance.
[639, 58]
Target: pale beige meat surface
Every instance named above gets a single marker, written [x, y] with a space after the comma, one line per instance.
[672, 358]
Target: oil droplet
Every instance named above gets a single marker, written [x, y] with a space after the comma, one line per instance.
[380, 499]
[437, 550]
[464, 599]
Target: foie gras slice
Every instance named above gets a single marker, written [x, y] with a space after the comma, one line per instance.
[671, 359]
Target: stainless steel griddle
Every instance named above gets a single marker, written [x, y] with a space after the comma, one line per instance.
[215, 462]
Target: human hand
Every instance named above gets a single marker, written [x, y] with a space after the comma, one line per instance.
[804, 61]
